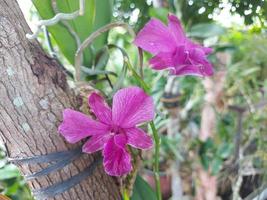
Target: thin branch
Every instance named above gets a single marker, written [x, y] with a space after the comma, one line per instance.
[256, 106]
[256, 195]
[236, 187]
[238, 136]
[58, 17]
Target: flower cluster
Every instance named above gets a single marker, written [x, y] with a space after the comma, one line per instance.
[117, 127]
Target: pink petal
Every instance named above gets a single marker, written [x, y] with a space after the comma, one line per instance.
[183, 70]
[120, 140]
[191, 62]
[132, 106]
[191, 45]
[101, 110]
[117, 161]
[95, 143]
[76, 126]
[198, 57]
[207, 50]
[155, 37]
[176, 29]
[138, 138]
[162, 60]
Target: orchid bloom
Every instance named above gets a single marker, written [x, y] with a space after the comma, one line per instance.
[172, 49]
[114, 128]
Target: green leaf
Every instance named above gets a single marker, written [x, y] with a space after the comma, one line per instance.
[142, 191]
[97, 14]
[101, 59]
[206, 30]
[160, 13]
[205, 161]
[224, 150]
[93, 72]
[103, 17]
[82, 25]
[250, 71]
[216, 165]
[58, 31]
[8, 172]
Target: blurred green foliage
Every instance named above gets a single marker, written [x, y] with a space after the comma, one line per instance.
[11, 182]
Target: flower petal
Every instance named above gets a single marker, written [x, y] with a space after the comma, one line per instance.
[207, 50]
[76, 126]
[162, 60]
[155, 37]
[95, 143]
[101, 110]
[117, 161]
[183, 70]
[198, 57]
[132, 106]
[120, 140]
[176, 29]
[191, 62]
[192, 45]
[138, 138]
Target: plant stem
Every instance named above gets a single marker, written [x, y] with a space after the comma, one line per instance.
[125, 195]
[156, 161]
[154, 131]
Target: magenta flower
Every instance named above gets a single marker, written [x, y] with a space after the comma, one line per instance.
[172, 49]
[114, 128]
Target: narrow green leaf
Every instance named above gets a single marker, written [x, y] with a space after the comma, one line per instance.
[206, 30]
[103, 17]
[93, 72]
[142, 191]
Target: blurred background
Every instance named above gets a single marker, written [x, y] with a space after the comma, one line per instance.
[213, 130]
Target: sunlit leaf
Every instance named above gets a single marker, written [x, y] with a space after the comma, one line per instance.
[97, 14]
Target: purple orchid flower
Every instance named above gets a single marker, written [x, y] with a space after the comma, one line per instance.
[114, 128]
[172, 49]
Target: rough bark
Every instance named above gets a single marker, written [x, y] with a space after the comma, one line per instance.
[33, 94]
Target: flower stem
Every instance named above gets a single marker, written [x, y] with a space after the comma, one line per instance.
[156, 161]
[154, 131]
[125, 195]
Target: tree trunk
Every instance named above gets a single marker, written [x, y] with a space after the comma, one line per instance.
[33, 94]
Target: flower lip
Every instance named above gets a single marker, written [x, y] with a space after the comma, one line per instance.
[115, 130]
